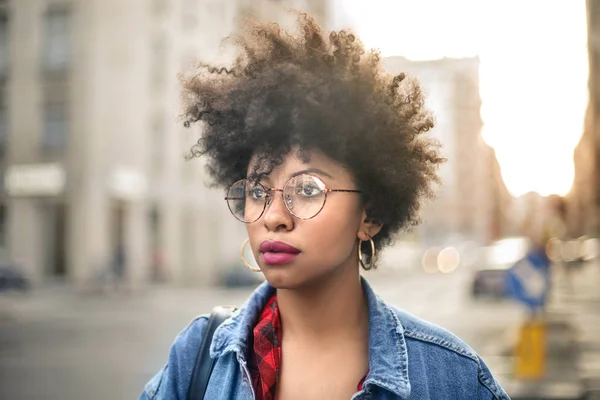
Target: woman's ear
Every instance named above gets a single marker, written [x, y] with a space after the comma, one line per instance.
[368, 229]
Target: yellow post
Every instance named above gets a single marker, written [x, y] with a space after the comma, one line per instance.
[530, 351]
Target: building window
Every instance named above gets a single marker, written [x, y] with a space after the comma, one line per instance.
[3, 118]
[3, 219]
[4, 43]
[55, 129]
[56, 47]
[4, 71]
[56, 126]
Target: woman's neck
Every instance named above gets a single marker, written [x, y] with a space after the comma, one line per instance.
[333, 309]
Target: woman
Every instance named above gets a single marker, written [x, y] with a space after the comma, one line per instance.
[325, 158]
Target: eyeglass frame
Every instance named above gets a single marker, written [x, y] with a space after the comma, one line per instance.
[269, 192]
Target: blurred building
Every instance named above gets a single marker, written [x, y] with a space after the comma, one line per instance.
[472, 201]
[499, 220]
[581, 216]
[583, 201]
[91, 147]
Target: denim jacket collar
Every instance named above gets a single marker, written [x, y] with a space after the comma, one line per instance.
[388, 358]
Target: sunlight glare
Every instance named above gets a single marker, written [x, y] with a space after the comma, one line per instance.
[533, 76]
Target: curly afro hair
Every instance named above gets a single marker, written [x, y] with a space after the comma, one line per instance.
[316, 91]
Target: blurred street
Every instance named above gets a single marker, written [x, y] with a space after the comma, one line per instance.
[54, 345]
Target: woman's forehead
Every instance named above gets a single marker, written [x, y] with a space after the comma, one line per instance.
[298, 160]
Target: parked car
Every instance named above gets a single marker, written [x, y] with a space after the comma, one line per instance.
[493, 263]
[12, 278]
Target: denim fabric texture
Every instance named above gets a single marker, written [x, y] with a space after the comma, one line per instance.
[408, 358]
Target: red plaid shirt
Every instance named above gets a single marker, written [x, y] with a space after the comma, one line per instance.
[265, 361]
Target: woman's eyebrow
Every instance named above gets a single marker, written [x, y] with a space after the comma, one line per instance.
[312, 171]
[266, 177]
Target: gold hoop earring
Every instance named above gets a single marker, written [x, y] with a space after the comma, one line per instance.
[246, 263]
[360, 257]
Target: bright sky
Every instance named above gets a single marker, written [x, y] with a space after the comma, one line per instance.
[533, 74]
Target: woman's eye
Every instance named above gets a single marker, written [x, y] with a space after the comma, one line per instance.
[309, 190]
[257, 193]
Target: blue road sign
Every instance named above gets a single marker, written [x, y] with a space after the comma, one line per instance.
[528, 281]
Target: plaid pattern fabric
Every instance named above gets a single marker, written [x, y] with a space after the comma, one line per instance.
[265, 361]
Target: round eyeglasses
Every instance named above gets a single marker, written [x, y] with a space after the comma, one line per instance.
[303, 195]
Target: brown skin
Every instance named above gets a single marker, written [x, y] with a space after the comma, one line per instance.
[323, 310]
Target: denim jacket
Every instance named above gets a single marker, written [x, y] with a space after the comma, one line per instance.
[408, 358]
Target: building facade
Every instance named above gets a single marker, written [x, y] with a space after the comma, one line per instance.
[91, 143]
[581, 216]
[470, 203]
[583, 201]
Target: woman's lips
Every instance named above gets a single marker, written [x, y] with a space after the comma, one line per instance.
[277, 247]
[278, 258]
[277, 252]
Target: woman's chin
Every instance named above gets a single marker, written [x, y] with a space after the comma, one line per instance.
[281, 278]
[290, 280]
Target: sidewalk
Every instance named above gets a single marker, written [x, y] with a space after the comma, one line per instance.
[580, 305]
[573, 341]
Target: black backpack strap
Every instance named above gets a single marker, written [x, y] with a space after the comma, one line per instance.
[204, 363]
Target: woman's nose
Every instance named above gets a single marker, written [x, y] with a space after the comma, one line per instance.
[277, 216]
